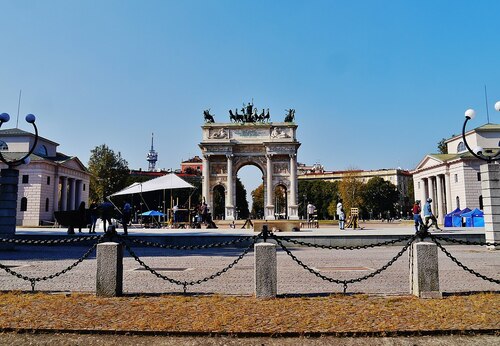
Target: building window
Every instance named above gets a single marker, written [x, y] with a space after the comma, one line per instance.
[458, 202]
[481, 205]
[461, 147]
[418, 185]
[46, 204]
[26, 179]
[478, 176]
[3, 146]
[24, 204]
[83, 187]
[48, 180]
[456, 178]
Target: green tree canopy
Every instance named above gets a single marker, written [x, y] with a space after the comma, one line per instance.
[380, 196]
[321, 194]
[258, 202]
[108, 173]
[351, 191]
[442, 147]
[241, 200]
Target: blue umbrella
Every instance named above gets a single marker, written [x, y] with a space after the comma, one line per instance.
[152, 213]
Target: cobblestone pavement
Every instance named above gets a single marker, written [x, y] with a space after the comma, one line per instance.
[123, 340]
[197, 264]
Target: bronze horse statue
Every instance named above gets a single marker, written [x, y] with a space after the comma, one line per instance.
[209, 118]
[290, 117]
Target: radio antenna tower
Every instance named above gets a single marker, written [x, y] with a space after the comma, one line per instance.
[152, 156]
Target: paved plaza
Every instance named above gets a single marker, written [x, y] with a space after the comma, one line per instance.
[193, 265]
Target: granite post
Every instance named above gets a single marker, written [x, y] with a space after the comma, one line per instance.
[266, 271]
[490, 185]
[109, 278]
[424, 271]
[9, 179]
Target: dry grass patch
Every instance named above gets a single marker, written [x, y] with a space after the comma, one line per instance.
[222, 314]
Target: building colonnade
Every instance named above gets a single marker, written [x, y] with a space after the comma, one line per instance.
[71, 193]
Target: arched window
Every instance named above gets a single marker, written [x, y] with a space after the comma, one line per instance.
[458, 202]
[461, 147]
[24, 204]
[3, 146]
[46, 204]
[42, 150]
[481, 205]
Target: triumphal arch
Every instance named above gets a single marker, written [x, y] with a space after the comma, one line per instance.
[251, 139]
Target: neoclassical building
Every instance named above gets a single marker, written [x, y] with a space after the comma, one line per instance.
[51, 182]
[453, 180]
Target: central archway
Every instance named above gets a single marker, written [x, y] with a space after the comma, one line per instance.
[272, 147]
[250, 176]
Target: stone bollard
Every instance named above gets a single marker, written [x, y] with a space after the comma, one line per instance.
[490, 185]
[424, 273]
[266, 272]
[109, 279]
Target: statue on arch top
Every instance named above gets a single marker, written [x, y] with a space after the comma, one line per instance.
[290, 116]
[209, 118]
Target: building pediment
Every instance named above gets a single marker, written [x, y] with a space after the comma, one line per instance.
[429, 161]
[74, 163]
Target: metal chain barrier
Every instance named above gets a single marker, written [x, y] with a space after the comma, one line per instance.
[34, 280]
[461, 265]
[359, 247]
[191, 247]
[50, 241]
[184, 284]
[465, 242]
[344, 282]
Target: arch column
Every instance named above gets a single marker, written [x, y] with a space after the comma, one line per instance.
[229, 192]
[269, 188]
[293, 208]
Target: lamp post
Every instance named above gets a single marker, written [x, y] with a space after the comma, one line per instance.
[490, 184]
[9, 179]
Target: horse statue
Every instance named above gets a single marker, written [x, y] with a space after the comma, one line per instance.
[261, 116]
[209, 118]
[290, 117]
[266, 117]
[232, 117]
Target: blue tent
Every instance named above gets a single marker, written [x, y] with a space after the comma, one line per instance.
[474, 218]
[448, 218]
[457, 218]
[152, 213]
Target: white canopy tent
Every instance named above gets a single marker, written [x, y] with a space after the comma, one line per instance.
[166, 182]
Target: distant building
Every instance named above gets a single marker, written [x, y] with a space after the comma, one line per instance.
[399, 177]
[453, 180]
[52, 181]
[192, 166]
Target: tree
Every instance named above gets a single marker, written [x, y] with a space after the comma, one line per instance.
[241, 200]
[380, 196]
[442, 147]
[258, 202]
[108, 173]
[321, 194]
[351, 191]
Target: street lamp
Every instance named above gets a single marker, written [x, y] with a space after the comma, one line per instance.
[486, 155]
[30, 118]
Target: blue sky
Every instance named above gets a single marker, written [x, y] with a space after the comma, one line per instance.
[375, 84]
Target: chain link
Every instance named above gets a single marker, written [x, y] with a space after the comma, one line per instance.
[34, 280]
[465, 242]
[184, 284]
[359, 247]
[50, 241]
[192, 247]
[461, 265]
[350, 281]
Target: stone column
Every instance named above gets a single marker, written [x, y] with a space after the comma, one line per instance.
[293, 208]
[269, 188]
[266, 272]
[428, 190]
[439, 203]
[490, 185]
[72, 194]
[79, 193]
[424, 271]
[109, 278]
[9, 180]
[64, 193]
[230, 184]
[206, 178]
[447, 187]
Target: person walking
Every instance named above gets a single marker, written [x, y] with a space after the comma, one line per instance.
[416, 215]
[310, 211]
[106, 213]
[429, 216]
[341, 214]
[82, 216]
[126, 212]
[93, 217]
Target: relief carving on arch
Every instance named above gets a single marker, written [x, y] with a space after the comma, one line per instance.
[280, 168]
